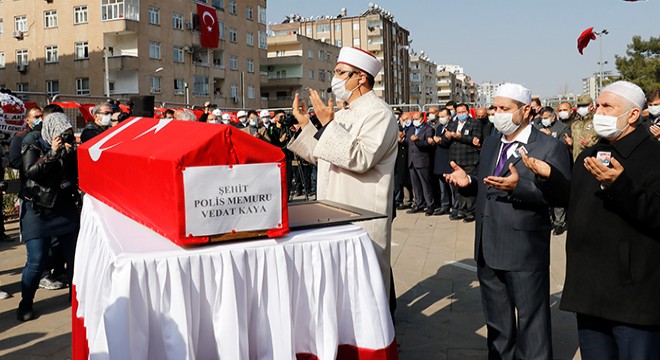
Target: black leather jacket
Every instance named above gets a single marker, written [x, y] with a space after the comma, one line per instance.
[52, 177]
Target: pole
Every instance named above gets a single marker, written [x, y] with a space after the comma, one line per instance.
[600, 78]
[107, 73]
[243, 88]
[185, 85]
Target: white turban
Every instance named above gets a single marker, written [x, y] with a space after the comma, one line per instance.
[628, 91]
[360, 59]
[515, 92]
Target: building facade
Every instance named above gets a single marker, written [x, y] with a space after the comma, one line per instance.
[374, 30]
[134, 47]
[485, 92]
[297, 63]
[423, 81]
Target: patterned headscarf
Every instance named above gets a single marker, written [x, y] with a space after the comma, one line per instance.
[54, 125]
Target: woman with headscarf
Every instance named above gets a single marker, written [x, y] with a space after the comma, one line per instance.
[50, 209]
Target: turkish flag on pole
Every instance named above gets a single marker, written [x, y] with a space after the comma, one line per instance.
[208, 23]
[584, 39]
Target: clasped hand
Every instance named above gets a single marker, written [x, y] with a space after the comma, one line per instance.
[325, 113]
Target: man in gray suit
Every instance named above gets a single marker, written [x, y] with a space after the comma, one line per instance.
[512, 245]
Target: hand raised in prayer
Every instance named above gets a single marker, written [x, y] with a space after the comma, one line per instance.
[429, 140]
[584, 142]
[414, 137]
[546, 131]
[605, 175]
[476, 142]
[325, 113]
[568, 140]
[437, 139]
[538, 167]
[300, 111]
[507, 183]
[655, 131]
[458, 177]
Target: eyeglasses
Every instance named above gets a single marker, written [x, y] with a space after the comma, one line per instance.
[105, 113]
[340, 72]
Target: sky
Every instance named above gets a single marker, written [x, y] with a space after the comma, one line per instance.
[531, 42]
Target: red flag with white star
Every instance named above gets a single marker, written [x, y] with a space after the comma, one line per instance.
[208, 24]
[584, 39]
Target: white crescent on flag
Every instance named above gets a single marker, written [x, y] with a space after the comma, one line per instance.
[206, 13]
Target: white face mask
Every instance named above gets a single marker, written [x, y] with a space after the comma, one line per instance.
[431, 117]
[243, 120]
[226, 122]
[339, 89]
[563, 115]
[407, 123]
[654, 110]
[605, 126]
[491, 118]
[546, 122]
[504, 122]
[443, 120]
[106, 120]
[265, 120]
[583, 110]
[417, 123]
[253, 122]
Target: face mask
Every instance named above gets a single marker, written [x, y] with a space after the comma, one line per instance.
[504, 122]
[417, 123]
[491, 118]
[226, 122]
[407, 123]
[654, 110]
[253, 122]
[431, 117]
[563, 115]
[265, 120]
[242, 120]
[106, 120]
[583, 110]
[36, 122]
[605, 126]
[443, 120]
[546, 122]
[453, 112]
[339, 89]
[462, 117]
[212, 121]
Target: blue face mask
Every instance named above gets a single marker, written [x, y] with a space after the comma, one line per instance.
[36, 123]
[462, 117]
[407, 123]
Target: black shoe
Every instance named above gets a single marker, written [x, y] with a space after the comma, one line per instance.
[469, 218]
[558, 230]
[6, 238]
[25, 312]
[441, 212]
[415, 210]
[400, 206]
[456, 216]
[429, 211]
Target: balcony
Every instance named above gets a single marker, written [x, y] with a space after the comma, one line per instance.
[288, 81]
[123, 63]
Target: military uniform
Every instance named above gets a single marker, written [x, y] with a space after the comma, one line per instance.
[583, 127]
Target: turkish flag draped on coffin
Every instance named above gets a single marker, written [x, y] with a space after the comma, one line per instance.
[208, 23]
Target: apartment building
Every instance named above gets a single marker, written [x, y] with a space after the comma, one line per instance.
[423, 80]
[374, 30]
[296, 63]
[133, 47]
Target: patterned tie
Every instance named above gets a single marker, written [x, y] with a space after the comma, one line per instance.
[502, 159]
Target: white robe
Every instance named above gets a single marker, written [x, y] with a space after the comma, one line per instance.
[355, 158]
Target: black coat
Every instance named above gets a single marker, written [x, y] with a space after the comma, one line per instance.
[613, 239]
[462, 151]
[441, 156]
[401, 170]
[420, 152]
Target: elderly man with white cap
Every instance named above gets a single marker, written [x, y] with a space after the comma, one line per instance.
[613, 242]
[354, 148]
[512, 237]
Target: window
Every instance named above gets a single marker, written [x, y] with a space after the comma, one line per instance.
[154, 50]
[218, 59]
[177, 56]
[50, 19]
[22, 86]
[234, 91]
[321, 75]
[323, 28]
[218, 4]
[356, 42]
[154, 15]
[20, 23]
[249, 39]
[200, 85]
[263, 40]
[310, 54]
[233, 63]
[82, 86]
[310, 74]
[233, 35]
[21, 57]
[309, 31]
[52, 87]
[82, 51]
[80, 14]
[250, 91]
[120, 9]
[338, 28]
[177, 21]
[281, 74]
[221, 26]
[232, 7]
[250, 65]
[321, 55]
[2, 26]
[338, 42]
[179, 86]
[356, 26]
[155, 85]
[249, 13]
[262, 15]
[2, 59]
[51, 54]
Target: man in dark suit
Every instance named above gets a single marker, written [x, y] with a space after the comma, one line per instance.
[402, 184]
[441, 163]
[512, 245]
[464, 151]
[612, 246]
[420, 156]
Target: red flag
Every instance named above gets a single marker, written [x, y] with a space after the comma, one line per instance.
[208, 23]
[584, 39]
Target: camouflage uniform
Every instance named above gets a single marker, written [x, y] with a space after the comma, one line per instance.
[583, 127]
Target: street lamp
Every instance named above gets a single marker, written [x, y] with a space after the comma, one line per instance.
[601, 63]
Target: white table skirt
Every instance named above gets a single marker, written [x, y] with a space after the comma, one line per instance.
[143, 297]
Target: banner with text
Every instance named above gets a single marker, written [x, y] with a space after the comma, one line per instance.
[224, 199]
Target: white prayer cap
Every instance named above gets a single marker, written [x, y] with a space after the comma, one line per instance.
[628, 91]
[226, 116]
[264, 113]
[217, 112]
[241, 113]
[360, 59]
[515, 92]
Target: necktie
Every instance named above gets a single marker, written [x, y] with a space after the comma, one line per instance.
[502, 159]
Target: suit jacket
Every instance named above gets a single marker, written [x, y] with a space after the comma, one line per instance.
[420, 152]
[441, 156]
[401, 170]
[462, 151]
[513, 229]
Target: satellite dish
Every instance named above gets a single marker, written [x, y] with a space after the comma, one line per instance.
[371, 5]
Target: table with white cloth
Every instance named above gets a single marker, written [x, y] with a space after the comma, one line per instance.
[312, 294]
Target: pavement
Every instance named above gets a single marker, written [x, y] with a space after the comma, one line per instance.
[439, 314]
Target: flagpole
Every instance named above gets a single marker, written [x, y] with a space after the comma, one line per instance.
[600, 76]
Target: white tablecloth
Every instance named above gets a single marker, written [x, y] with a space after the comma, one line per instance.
[143, 297]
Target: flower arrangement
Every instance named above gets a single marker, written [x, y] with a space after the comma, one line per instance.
[11, 105]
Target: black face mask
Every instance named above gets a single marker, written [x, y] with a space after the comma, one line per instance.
[68, 138]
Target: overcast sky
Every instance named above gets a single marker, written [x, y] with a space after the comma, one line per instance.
[529, 42]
